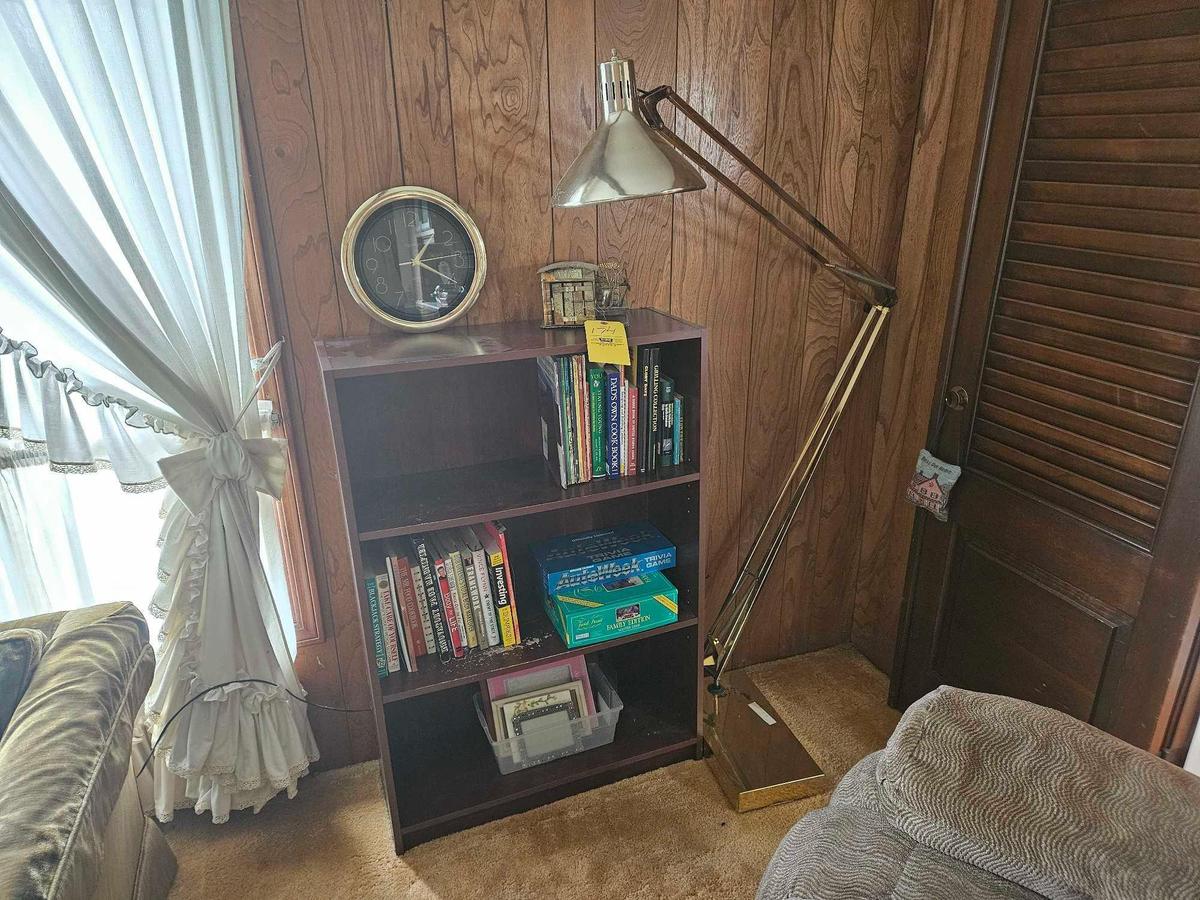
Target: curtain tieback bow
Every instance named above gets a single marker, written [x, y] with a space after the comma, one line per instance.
[195, 475]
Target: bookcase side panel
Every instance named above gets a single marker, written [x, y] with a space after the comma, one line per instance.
[344, 474]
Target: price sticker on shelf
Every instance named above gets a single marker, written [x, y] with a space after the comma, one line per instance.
[606, 342]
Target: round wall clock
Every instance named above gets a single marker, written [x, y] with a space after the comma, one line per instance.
[413, 258]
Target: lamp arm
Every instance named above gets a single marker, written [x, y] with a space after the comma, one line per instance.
[734, 613]
[859, 272]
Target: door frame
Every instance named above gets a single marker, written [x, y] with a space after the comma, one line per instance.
[1009, 55]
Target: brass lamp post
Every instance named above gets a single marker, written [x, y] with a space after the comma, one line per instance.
[756, 758]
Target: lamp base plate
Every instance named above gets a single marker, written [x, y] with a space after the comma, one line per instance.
[755, 757]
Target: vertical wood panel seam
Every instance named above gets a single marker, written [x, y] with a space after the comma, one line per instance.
[758, 252]
[675, 197]
[816, 491]
[880, 353]
[450, 101]
[337, 265]
[387, 23]
[550, 113]
[801, 423]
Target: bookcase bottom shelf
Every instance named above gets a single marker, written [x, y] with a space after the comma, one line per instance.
[468, 789]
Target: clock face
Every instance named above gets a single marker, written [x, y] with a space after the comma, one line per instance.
[416, 262]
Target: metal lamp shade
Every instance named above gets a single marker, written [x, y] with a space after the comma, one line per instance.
[625, 157]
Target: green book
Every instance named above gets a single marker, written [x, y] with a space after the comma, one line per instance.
[377, 628]
[596, 403]
[677, 447]
[568, 412]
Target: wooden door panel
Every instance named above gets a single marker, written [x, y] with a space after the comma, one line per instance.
[1113, 414]
[1109, 28]
[1117, 395]
[1019, 525]
[1164, 176]
[1062, 575]
[1053, 487]
[1012, 630]
[1074, 462]
[1021, 397]
[1159, 125]
[1151, 100]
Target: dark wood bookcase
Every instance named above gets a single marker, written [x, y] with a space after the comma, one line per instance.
[441, 430]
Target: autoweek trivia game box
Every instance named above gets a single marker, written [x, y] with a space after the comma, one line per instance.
[592, 557]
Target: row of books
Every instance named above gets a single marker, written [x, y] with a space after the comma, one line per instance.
[609, 421]
[445, 593]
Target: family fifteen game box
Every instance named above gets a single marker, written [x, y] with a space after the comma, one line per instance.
[599, 612]
[592, 557]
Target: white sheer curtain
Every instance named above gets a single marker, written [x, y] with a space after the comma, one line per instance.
[120, 219]
[72, 540]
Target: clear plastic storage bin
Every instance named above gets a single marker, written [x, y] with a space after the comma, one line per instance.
[556, 740]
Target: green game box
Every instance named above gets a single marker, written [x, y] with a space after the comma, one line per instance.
[600, 612]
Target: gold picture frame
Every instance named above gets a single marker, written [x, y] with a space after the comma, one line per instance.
[350, 271]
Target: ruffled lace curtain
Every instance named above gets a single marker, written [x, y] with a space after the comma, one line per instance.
[121, 259]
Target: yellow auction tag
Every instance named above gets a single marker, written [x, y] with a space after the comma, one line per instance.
[606, 342]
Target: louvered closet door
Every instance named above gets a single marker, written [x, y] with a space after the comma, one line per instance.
[1072, 540]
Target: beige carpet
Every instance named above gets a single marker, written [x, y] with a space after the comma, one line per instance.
[665, 834]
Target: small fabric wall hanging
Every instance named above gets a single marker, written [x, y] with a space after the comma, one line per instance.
[934, 478]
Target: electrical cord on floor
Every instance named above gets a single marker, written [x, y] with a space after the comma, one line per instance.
[209, 690]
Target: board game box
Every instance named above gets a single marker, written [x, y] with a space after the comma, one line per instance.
[593, 613]
[593, 557]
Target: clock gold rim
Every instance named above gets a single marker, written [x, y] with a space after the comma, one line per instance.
[350, 270]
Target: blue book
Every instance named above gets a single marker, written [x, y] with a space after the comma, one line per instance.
[612, 420]
[592, 557]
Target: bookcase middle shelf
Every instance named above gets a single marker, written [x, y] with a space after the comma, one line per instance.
[399, 505]
[539, 644]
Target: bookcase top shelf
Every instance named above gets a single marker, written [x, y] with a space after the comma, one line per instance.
[384, 354]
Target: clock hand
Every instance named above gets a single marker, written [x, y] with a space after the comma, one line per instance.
[417, 259]
[432, 259]
[435, 271]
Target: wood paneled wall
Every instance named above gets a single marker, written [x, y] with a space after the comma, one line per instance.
[488, 101]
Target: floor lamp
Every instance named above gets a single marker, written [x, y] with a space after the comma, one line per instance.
[756, 758]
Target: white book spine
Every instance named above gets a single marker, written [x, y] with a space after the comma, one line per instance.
[422, 607]
[479, 558]
[468, 561]
[623, 427]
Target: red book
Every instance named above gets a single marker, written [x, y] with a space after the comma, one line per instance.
[406, 595]
[498, 533]
[452, 625]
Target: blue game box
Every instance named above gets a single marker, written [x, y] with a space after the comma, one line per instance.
[592, 557]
